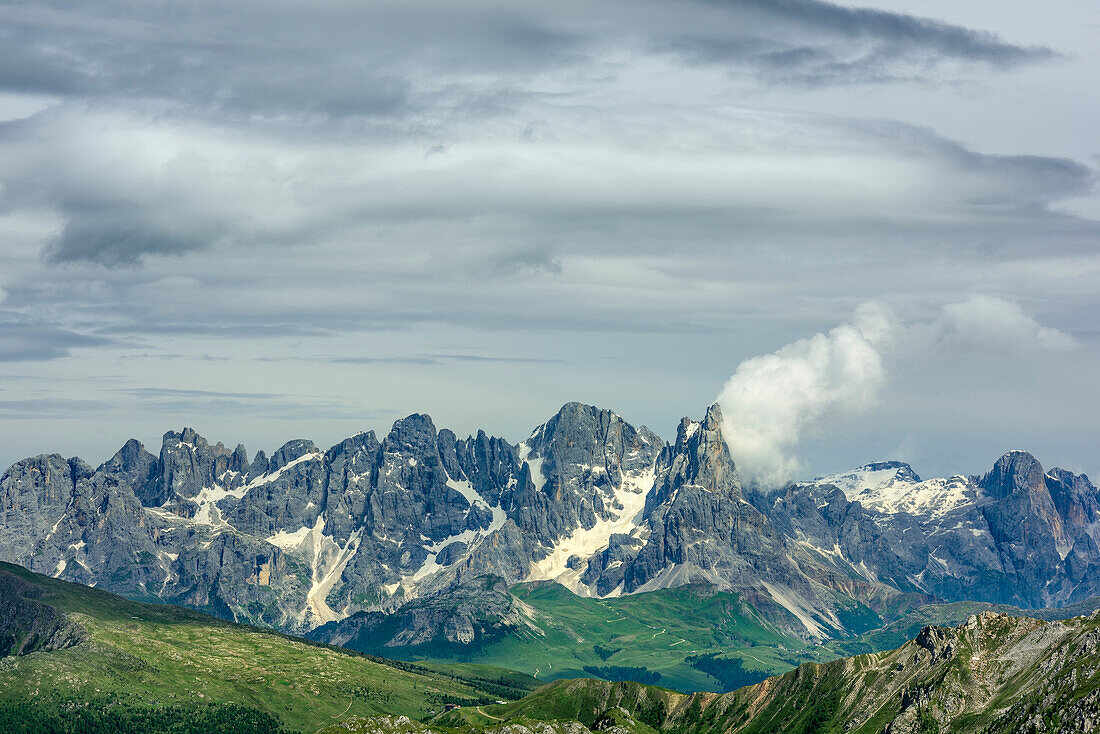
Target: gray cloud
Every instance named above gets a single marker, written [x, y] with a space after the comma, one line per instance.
[166, 392]
[30, 340]
[224, 331]
[278, 215]
[827, 43]
[51, 407]
[129, 186]
[385, 60]
[209, 404]
[435, 360]
[221, 125]
[113, 239]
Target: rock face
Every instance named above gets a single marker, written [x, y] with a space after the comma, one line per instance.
[994, 674]
[309, 536]
[27, 625]
[1017, 535]
[471, 615]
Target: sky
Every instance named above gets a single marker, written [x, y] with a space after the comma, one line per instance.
[871, 231]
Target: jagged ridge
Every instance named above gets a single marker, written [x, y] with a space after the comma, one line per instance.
[309, 536]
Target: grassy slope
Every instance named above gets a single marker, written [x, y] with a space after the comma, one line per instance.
[584, 700]
[990, 677]
[655, 630]
[158, 655]
[146, 655]
[945, 615]
[661, 630]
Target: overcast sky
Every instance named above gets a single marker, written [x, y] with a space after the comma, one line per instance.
[303, 219]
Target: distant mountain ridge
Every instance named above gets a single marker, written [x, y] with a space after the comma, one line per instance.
[1017, 535]
[309, 536]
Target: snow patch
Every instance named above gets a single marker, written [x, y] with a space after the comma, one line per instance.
[533, 463]
[537, 475]
[468, 536]
[466, 489]
[314, 455]
[56, 525]
[585, 543]
[208, 499]
[289, 541]
[890, 491]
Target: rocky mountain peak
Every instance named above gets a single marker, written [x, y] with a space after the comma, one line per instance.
[574, 419]
[588, 500]
[415, 433]
[240, 457]
[903, 471]
[700, 456]
[132, 456]
[1014, 472]
[939, 641]
[187, 435]
[1077, 500]
[713, 419]
[289, 451]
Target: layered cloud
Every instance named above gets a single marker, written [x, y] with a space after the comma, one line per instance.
[385, 59]
[126, 185]
[176, 127]
[485, 209]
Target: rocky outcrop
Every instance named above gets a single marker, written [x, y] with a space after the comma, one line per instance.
[28, 625]
[1017, 535]
[469, 616]
[992, 675]
[698, 528]
[575, 462]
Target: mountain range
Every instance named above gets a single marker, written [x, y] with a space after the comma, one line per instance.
[309, 537]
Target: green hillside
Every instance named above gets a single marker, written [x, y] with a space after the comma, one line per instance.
[994, 674]
[585, 700]
[689, 638]
[950, 614]
[75, 660]
[666, 632]
[130, 658]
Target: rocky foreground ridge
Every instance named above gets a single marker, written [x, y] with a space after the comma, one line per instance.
[308, 536]
[993, 674]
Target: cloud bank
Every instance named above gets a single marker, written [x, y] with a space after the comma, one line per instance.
[486, 209]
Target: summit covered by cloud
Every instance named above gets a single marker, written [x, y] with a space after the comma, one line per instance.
[773, 401]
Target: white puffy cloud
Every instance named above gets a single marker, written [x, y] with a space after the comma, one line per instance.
[773, 401]
[989, 324]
